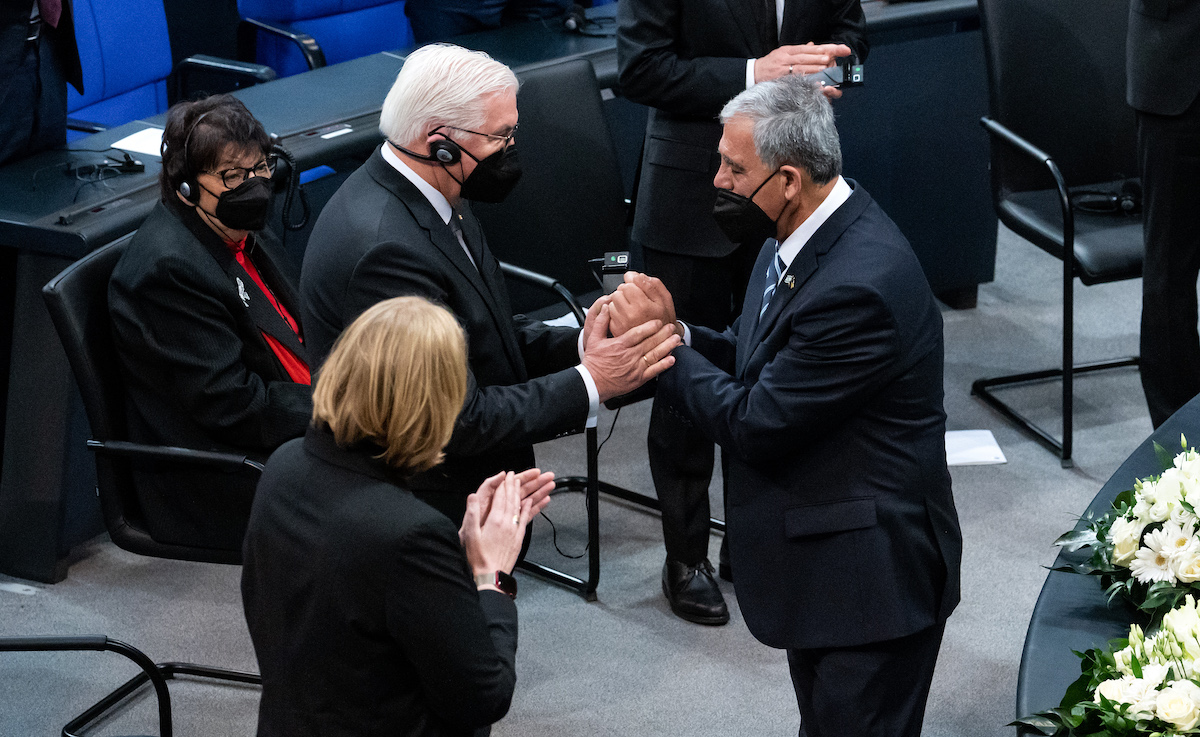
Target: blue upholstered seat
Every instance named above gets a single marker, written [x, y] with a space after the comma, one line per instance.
[126, 58]
[344, 29]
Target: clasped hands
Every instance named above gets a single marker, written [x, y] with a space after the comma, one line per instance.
[640, 316]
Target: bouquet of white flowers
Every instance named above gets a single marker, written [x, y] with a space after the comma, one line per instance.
[1146, 547]
[1138, 687]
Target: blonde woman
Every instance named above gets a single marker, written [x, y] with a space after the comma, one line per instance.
[370, 614]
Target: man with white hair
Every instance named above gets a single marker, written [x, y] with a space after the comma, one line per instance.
[826, 397]
[400, 225]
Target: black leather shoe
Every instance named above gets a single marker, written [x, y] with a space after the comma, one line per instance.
[693, 593]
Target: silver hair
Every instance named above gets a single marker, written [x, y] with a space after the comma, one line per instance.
[441, 84]
[793, 125]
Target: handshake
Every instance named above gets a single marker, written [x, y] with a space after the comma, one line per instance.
[628, 335]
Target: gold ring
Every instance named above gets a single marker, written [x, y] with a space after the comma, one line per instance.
[646, 358]
[516, 519]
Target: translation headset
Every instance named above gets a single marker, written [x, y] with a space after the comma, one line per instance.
[188, 189]
[444, 151]
[1127, 201]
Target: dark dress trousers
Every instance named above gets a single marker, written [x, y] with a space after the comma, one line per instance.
[362, 608]
[1163, 68]
[33, 77]
[843, 530]
[198, 372]
[379, 237]
[685, 60]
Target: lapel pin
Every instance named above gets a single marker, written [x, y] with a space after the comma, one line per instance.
[242, 291]
[790, 280]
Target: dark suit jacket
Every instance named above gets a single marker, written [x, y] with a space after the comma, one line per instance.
[379, 237]
[685, 59]
[15, 14]
[1163, 55]
[198, 372]
[842, 527]
[362, 608]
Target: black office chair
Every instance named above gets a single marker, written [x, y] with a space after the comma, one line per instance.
[78, 303]
[1063, 146]
[569, 209]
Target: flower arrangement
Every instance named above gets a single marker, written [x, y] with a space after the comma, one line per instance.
[1137, 687]
[1146, 547]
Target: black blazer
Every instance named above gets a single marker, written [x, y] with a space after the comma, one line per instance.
[198, 372]
[685, 59]
[842, 526]
[379, 237]
[362, 608]
[1163, 55]
[14, 14]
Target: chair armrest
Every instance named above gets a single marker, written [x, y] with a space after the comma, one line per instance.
[224, 461]
[86, 126]
[996, 130]
[247, 40]
[244, 74]
[547, 283]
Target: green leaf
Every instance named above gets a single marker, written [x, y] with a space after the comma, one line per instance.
[1076, 539]
[1166, 458]
[1044, 723]
[1125, 498]
[1187, 505]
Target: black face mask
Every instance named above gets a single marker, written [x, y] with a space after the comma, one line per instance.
[246, 206]
[740, 219]
[494, 177]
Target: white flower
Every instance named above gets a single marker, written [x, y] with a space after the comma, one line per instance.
[1159, 511]
[1145, 491]
[1181, 516]
[1113, 690]
[1141, 695]
[1178, 538]
[1179, 705]
[1185, 564]
[1153, 674]
[1126, 537]
[1152, 561]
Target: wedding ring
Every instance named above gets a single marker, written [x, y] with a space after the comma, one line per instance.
[646, 358]
[790, 68]
[516, 519]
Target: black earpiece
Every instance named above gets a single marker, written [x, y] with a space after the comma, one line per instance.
[445, 151]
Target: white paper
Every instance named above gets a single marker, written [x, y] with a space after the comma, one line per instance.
[147, 141]
[972, 448]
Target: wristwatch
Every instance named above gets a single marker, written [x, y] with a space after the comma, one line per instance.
[500, 580]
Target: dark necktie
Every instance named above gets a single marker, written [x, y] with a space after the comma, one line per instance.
[770, 29]
[473, 248]
[773, 272]
[51, 11]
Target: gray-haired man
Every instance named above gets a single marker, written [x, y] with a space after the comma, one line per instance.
[826, 397]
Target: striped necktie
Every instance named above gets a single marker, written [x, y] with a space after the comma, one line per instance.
[773, 272]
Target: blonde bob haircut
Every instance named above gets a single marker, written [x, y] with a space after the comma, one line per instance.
[396, 378]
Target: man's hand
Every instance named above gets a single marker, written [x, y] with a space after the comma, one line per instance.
[804, 59]
[640, 299]
[590, 319]
[620, 365]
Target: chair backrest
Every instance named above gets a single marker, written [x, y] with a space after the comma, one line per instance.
[570, 204]
[344, 29]
[1056, 76]
[77, 300]
[126, 58]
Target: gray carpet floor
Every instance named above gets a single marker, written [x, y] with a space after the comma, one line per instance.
[624, 665]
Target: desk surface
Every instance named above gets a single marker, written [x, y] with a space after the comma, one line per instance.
[319, 115]
[1072, 612]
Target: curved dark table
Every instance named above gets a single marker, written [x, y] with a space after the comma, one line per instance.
[1072, 612]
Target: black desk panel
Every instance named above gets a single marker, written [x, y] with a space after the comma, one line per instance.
[1072, 612]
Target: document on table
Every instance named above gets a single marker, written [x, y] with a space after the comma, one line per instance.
[147, 141]
[972, 448]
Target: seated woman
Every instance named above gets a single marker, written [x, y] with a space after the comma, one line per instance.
[205, 323]
[370, 614]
